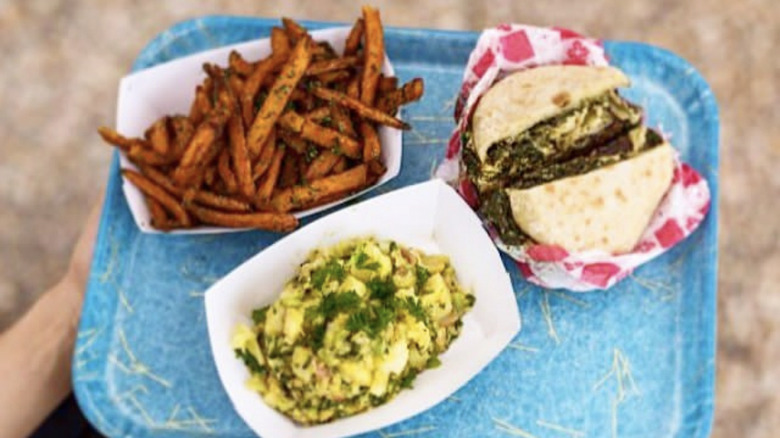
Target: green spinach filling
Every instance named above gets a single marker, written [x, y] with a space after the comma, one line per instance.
[598, 132]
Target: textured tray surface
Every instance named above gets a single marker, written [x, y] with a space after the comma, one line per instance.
[638, 360]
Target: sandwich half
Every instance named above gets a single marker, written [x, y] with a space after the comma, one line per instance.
[558, 157]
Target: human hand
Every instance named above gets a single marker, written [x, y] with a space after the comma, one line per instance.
[73, 284]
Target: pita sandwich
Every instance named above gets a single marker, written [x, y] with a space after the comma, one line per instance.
[560, 158]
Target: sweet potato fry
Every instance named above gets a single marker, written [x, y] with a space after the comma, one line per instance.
[140, 153]
[323, 51]
[321, 165]
[158, 136]
[197, 149]
[204, 197]
[300, 197]
[342, 122]
[387, 83]
[293, 141]
[153, 190]
[236, 85]
[375, 170]
[353, 88]
[239, 64]
[320, 67]
[264, 221]
[112, 137]
[280, 46]
[373, 54]
[372, 149]
[411, 91]
[353, 39]
[290, 170]
[226, 173]
[280, 43]
[265, 158]
[340, 166]
[252, 86]
[325, 137]
[239, 155]
[269, 180]
[294, 30]
[201, 105]
[333, 76]
[317, 115]
[182, 133]
[278, 96]
[362, 110]
[159, 218]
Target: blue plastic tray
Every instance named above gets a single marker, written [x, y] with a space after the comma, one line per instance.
[636, 361]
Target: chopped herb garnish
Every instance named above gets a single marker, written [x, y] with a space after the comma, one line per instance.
[250, 361]
[331, 271]
[372, 320]
[381, 289]
[311, 153]
[362, 262]
[258, 315]
[422, 277]
[415, 309]
[335, 303]
[433, 362]
[326, 121]
[406, 381]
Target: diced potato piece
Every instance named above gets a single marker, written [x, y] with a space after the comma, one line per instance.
[293, 324]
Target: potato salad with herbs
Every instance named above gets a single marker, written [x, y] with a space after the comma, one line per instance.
[355, 325]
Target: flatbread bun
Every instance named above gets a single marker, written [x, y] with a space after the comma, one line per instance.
[606, 209]
[525, 98]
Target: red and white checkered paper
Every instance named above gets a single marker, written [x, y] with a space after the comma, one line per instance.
[509, 48]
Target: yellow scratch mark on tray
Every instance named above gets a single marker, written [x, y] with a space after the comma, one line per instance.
[87, 377]
[418, 431]
[432, 170]
[131, 392]
[677, 262]
[112, 261]
[449, 103]
[511, 429]
[205, 279]
[544, 304]
[522, 292]
[142, 410]
[91, 335]
[521, 347]
[654, 286]
[430, 119]
[173, 413]
[135, 366]
[197, 294]
[570, 298]
[81, 363]
[621, 370]
[123, 299]
[558, 428]
[86, 332]
[202, 422]
[455, 398]
[429, 141]
[195, 422]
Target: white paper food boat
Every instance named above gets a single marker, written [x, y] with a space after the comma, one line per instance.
[169, 88]
[429, 216]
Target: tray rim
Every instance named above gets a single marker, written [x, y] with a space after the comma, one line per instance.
[150, 56]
